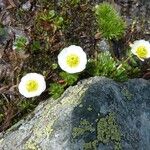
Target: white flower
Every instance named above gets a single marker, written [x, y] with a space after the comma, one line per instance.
[32, 84]
[141, 49]
[72, 59]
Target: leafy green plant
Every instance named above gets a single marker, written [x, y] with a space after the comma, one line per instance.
[20, 43]
[69, 79]
[26, 105]
[47, 16]
[75, 2]
[110, 23]
[50, 18]
[56, 89]
[106, 65]
[35, 46]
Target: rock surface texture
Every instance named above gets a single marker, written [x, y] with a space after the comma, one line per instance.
[96, 114]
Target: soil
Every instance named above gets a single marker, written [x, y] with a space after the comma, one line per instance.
[79, 27]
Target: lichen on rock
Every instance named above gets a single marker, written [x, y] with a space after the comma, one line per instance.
[93, 115]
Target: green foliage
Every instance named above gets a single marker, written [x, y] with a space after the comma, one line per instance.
[110, 23]
[107, 66]
[108, 130]
[35, 46]
[54, 66]
[47, 16]
[56, 90]
[20, 43]
[50, 17]
[26, 105]
[75, 2]
[70, 79]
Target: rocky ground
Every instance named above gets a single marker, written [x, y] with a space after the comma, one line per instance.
[21, 17]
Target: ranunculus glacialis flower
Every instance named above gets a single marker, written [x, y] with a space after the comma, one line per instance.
[32, 84]
[141, 49]
[72, 59]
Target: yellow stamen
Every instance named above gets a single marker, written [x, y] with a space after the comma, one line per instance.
[73, 60]
[142, 52]
[32, 85]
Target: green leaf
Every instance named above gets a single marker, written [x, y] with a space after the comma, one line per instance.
[70, 79]
[35, 46]
[20, 43]
[56, 90]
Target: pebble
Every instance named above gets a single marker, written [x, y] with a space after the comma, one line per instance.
[103, 45]
[2, 5]
[26, 6]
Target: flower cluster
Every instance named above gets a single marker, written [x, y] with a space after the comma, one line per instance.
[72, 60]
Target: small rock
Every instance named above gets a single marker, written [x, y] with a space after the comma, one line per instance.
[6, 19]
[2, 5]
[5, 69]
[103, 45]
[4, 36]
[26, 6]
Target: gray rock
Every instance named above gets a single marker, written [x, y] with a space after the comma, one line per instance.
[103, 45]
[2, 5]
[96, 114]
[6, 20]
[4, 35]
[26, 6]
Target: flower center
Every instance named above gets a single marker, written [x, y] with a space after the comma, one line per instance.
[73, 60]
[142, 51]
[32, 85]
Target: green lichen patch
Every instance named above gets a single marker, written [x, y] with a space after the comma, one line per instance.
[90, 145]
[84, 126]
[108, 131]
[31, 145]
[89, 108]
[127, 94]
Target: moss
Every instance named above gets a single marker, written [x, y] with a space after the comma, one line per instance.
[108, 131]
[84, 126]
[110, 23]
